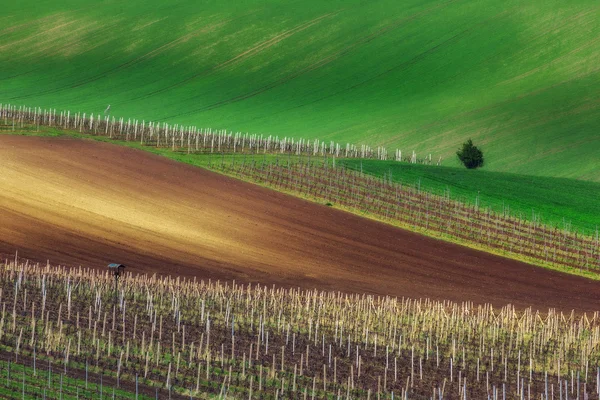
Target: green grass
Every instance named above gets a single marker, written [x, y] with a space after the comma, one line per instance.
[522, 80]
[39, 383]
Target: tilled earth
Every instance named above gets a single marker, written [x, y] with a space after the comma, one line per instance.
[79, 202]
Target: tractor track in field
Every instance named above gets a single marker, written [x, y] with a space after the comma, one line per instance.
[79, 202]
[150, 54]
[318, 64]
[566, 22]
[477, 111]
[404, 65]
[256, 49]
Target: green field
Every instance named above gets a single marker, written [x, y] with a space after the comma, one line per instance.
[521, 79]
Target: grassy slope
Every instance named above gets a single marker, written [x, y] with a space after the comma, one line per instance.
[521, 79]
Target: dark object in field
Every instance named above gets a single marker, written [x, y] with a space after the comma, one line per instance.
[117, 269]
[470, 155]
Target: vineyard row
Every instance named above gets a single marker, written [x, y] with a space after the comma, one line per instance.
[255, 342]
[192, 139]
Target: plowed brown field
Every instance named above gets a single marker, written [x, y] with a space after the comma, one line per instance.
[79, 202]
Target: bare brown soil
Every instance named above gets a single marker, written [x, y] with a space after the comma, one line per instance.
[79, 202]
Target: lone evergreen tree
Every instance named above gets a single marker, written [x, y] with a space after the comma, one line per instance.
[470, 155]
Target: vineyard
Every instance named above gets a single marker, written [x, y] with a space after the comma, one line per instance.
[200, 339]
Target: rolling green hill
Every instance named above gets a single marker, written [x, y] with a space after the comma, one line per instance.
[520, 78]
